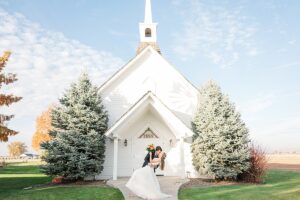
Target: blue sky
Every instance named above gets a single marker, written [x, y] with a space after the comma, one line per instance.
[250, 47]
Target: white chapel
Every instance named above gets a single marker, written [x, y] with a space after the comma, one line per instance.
[148, 102]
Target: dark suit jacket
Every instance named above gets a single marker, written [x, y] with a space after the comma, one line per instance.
[147, 159]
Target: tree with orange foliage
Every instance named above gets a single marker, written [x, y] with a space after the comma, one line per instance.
[43, 126]
[6, 100]
[16, 149]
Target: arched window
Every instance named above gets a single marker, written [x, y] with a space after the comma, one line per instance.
[148, 32]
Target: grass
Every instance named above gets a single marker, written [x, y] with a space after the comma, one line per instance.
[17, 176]
[280, 185]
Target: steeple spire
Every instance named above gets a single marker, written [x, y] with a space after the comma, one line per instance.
[148, 30]
[148, 12]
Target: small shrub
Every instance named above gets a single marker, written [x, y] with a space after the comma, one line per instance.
[2, 163]
[258, 166]
[58, 179]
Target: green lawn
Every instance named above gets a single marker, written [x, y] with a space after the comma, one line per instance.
[15, 177]
[280, 185]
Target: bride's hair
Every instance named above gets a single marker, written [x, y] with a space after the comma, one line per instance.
[162, 162]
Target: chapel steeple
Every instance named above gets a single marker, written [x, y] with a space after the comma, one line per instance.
[148, 30]
[148, 12]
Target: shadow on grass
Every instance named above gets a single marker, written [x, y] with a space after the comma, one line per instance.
[13, 183]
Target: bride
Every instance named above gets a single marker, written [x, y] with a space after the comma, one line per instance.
[143, 181]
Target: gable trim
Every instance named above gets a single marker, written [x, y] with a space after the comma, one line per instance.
[123, 69]
[148, 130]
[133, 108]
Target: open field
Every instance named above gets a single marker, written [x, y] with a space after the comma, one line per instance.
[291, 159]
[290, 162]
[15, 177]
[17, 160]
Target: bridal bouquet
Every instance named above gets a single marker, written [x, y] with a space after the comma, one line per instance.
[151, 148]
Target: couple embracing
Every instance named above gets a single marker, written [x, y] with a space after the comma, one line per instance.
[143, 181]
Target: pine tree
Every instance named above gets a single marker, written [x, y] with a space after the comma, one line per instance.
[6, 100]
[221, 141]
[80, 122]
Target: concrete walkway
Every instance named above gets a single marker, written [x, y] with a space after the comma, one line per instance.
[168, 185]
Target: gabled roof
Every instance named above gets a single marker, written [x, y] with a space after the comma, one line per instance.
[149, 99]
[131, 63]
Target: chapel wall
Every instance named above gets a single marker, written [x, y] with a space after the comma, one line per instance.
[152, 73]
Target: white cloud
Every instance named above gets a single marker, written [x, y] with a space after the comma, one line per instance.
[274, 131]
[290, 126]
[212, 30]
[252, 52]
[259, 103]
[46, 62]
[281, 135]
[287, 65]
[292, 42]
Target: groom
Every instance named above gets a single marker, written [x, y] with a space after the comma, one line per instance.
[155, 154]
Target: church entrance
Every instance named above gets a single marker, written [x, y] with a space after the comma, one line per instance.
[139, 145]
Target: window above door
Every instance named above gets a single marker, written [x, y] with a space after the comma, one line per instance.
[148, 133]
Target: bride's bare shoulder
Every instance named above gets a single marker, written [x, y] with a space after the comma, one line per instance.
[161, 154]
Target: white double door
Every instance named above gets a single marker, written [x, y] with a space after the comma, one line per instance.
[139, 151]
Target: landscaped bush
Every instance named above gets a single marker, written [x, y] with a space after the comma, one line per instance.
[258, 166]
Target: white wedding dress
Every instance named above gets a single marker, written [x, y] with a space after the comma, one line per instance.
[144, 184]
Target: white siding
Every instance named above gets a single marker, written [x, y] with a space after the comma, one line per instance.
[151, 73]
[131, 157]
[189, 167]
[108, 163]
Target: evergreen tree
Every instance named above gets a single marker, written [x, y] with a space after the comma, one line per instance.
[6, 100]
[221, 142]
[79, 122]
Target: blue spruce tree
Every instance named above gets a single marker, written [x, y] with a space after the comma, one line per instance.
[221, 141]
[80, 122]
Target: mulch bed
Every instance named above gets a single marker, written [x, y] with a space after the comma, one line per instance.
[204, 183]
[86, 183]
